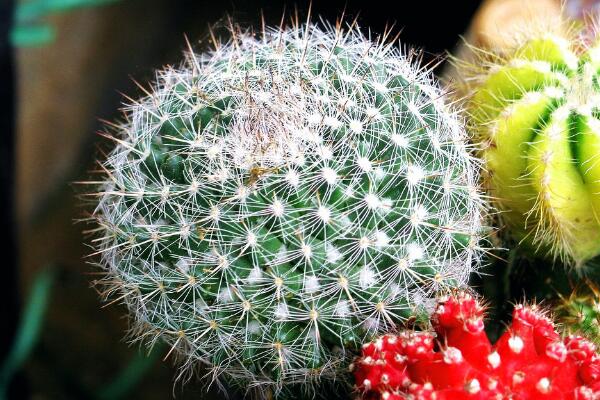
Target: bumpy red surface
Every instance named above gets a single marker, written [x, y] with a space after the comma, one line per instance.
[530, 361]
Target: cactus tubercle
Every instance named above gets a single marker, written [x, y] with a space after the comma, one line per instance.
[458, 362]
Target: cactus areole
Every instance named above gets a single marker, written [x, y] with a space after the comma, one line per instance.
[530, 361]
[537, 113]
[272, 203]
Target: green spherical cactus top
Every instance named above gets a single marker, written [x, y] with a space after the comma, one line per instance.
[537, 115]
[274, 202]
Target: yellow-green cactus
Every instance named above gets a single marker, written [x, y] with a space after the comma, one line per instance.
[536, 114]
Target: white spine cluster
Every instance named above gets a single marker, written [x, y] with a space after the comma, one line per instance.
[275, 202]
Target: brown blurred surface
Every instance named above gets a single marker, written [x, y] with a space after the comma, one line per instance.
[497, 20]
[494, 26]
[63, 89]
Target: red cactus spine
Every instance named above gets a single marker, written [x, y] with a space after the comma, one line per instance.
[457, 361]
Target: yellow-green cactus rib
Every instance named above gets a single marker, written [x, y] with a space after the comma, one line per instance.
[536, 116]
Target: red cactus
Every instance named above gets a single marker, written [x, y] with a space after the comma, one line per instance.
[530, 361]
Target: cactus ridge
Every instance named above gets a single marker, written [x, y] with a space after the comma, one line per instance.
[539, 107]
[273, 202]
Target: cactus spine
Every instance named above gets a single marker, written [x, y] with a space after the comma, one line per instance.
[272, 203]
[537, 114]
[580, 311]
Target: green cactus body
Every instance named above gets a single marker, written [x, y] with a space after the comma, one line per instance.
[274, 202]
[580, 312]
[537, 117]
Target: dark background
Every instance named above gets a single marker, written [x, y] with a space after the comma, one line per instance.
[52, 98]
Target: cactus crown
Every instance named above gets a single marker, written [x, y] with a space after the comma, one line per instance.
[538, 105]
[271, 203]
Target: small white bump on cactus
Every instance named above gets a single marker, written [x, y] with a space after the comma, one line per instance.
[274, 202]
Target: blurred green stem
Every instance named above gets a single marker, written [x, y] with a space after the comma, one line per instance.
[129, 377]
[27, 29]
[28, 11]
[29, 328]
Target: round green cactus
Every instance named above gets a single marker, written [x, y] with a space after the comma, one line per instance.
[536, 112]
[272, 203]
